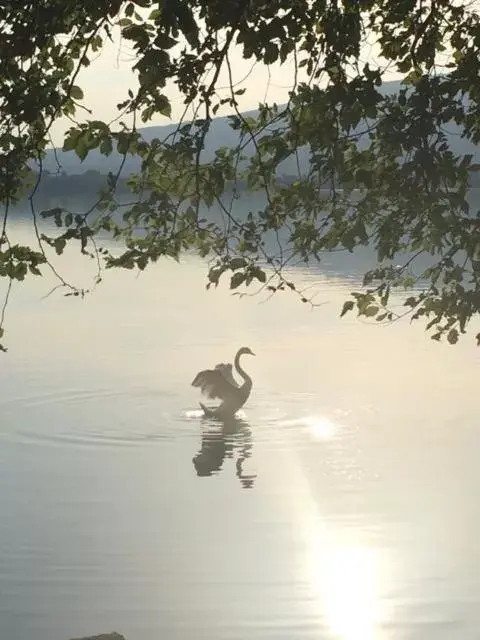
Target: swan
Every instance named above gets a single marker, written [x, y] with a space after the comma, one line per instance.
[220, 383]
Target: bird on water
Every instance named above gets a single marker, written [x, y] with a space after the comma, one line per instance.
[220, 383]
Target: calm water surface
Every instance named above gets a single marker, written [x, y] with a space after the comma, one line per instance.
[342, 504]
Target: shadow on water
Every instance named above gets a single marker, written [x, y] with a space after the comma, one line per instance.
[222, 440]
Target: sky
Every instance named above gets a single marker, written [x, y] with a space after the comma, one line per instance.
[106, 81]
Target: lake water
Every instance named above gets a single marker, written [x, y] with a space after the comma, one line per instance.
[342, 505]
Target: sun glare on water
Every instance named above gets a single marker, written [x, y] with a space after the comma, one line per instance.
[346, 579]
[320, 428]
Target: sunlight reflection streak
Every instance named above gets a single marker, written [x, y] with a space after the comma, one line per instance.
[346, 577]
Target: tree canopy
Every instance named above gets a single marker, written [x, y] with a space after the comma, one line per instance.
[379, 171]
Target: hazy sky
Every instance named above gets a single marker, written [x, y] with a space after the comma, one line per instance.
[106, 81]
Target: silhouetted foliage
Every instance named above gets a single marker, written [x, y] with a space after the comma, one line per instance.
[403, 190]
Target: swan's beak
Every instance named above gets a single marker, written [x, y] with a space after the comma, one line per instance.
[252, 354]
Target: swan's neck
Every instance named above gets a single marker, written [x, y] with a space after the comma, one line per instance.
[241, 372]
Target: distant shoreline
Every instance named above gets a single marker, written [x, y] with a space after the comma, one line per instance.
[87, 185]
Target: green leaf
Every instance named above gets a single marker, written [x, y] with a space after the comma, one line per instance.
[106, 146]
[123, 144]
[81, 147]
[237, 279]
[58, 217]
[163, 106]
[142, 262]
[371, 311]
[59, 245]
[271, 53]
[260, 275]
[136, 32]
[76, 93]
[347, 306]
[51, 213]
[71, 140]
[237, 263]
[452, 336]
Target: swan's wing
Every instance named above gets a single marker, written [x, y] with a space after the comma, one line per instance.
[226, 371]
[214, 384]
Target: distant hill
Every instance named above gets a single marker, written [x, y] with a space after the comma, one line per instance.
[220, 134]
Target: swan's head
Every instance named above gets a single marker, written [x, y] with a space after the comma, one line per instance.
[246, 351]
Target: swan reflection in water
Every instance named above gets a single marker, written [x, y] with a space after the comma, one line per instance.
[222, 440]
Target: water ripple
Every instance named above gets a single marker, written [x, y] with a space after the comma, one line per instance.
[91, 417]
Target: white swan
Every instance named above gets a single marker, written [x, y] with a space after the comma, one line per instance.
[220, 383]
